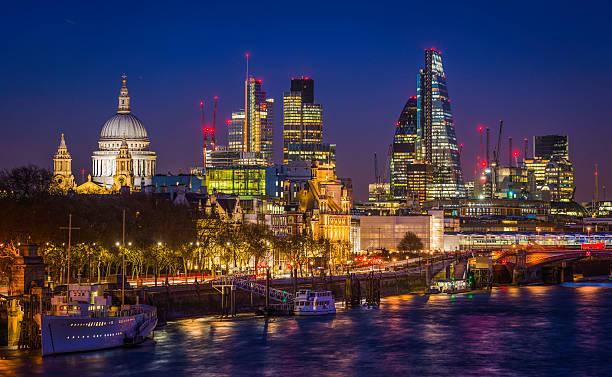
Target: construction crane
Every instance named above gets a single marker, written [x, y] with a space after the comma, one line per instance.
[376, 177]
[205, 135]
[499, 136]
[214, 127]
[388, 164]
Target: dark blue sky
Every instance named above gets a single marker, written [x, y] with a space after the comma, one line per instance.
[543, 67]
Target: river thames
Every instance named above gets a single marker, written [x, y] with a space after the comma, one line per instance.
[537, 330]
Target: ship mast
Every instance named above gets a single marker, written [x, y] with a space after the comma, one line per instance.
[70, 227]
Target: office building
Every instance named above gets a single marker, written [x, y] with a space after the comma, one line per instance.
[436, 128]
[303, 125]
[258, 124]
[235, 131]
[549, 146]
[406, 164]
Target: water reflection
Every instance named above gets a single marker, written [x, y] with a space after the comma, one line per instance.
[509, 331]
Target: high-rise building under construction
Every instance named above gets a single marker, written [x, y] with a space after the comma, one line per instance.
[436, 130]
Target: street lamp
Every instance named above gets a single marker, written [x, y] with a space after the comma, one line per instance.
[588, 234]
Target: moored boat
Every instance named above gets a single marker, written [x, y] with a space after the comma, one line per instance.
[85, 320]
[309, 302]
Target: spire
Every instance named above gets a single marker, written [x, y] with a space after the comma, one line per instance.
[62, 142]
[124, 99]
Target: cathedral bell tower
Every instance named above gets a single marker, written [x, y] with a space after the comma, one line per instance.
[124, 168]
[124, 99]
[62, 168]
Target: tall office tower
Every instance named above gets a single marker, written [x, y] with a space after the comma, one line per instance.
[408, 171]
[548, 146]
[303, 125]
[258, 122]
[436, 128]
[235, 131]
[553, 171]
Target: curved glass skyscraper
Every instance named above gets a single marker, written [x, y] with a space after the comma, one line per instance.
[436, 130]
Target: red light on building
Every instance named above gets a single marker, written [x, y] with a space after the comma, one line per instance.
[307, 78]
[228, 122]
[201, 103]
[247, 54]
[216, 98]
[480, 128]
[515, 153]
[484, 164]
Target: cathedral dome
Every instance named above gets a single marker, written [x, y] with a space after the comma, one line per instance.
[123, 125]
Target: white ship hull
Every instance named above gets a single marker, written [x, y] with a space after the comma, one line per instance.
[306, 312]
[61, 334]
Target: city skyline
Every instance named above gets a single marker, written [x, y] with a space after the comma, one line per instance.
[72, 101]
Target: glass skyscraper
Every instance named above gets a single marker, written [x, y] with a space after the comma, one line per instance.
[408, 171]
[303, 125]
[235, 131]
[258, 123]
[436, 130]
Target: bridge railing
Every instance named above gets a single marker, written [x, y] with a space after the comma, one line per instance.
[246, 282]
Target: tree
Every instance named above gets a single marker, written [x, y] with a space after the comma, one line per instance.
[410, 242]
[25, 181]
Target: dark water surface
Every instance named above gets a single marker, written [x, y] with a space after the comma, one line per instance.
[548, 331]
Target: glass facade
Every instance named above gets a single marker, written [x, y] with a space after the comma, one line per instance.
[243, 181]
[436, 129]
[258, 125]
[303, 125]
[235, 130]
[407, 169]
[549, 146]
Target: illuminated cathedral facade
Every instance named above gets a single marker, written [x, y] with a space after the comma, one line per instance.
[123, 158]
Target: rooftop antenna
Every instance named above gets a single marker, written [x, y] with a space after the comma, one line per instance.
[526, 141]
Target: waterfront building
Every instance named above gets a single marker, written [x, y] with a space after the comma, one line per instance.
[474, 207]
[386, 232]
[436, 129]
[63, 180]
[123, 125]
[258, 123]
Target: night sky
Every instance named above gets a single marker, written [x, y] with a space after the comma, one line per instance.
[542, 67]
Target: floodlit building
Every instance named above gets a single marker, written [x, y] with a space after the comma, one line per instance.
[123, 125]
[386, 232]
[63, 179]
